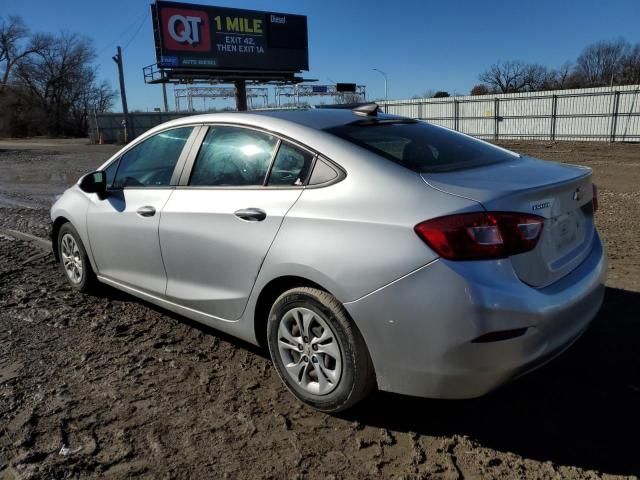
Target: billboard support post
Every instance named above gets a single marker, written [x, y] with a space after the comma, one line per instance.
[241, 95]
[164, 97]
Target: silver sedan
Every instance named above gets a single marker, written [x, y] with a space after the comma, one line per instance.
[365, 250]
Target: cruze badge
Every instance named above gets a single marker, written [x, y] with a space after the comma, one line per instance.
[540, 206]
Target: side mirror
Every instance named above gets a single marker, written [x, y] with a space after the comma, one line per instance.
[95, 182]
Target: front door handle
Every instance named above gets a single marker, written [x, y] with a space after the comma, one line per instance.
[251, 214]
[147, 211]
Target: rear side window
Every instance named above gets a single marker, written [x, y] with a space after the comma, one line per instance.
[233, 156]
[151, 162]
[290, 167]
[421, 147]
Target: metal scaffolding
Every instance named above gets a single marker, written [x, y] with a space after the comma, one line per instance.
[258, 97]
[221, 93]
[296, 92]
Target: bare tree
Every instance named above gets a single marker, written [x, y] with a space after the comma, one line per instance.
[101, 97]
[63, 80]
[559, 78]
[630, 66]
[507, 77]
[88, 97]
[480, 89]
[15, 45]
[537, 77]
[600, 63]
[52, 81]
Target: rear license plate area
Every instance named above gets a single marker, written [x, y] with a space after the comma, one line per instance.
[564, 230]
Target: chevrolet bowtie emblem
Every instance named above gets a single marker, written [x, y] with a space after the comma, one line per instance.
[577, 195]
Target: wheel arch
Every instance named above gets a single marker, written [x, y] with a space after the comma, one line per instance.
[55, 229]
[272, 290]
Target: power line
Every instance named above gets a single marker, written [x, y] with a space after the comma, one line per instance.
[123, 32]
[137, 31]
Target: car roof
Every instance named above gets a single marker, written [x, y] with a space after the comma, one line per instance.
[308, 127]
[316, 118]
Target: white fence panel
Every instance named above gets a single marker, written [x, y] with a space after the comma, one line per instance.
[599, 114]
[604, 114]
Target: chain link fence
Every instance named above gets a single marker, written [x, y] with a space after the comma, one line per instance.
[109, 127]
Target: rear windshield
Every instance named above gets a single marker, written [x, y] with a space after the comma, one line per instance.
[420, 146]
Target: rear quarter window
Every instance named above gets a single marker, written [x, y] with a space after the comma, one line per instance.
[421, 147]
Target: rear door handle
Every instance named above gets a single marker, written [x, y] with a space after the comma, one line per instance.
[251, 214]
[147, 211]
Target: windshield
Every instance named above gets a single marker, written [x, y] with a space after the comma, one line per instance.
[422, 147]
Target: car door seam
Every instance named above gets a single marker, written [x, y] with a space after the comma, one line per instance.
[184, 155]
[264, 257]
[164, 267]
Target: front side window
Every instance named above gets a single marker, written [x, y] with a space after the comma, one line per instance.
[290, 167]
[233, 156]
[421, 147]
[110, 172]
[151, 163]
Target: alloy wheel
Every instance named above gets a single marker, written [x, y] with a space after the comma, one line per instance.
[71, 258]
[309, 351]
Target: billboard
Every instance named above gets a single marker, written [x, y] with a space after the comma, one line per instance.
[346, 87]
[205, 37]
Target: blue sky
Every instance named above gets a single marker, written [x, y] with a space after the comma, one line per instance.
[423, 45]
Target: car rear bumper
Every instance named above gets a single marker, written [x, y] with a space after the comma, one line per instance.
[420, 329]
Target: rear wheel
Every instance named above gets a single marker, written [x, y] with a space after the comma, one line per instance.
[317, 351]
[74, 260]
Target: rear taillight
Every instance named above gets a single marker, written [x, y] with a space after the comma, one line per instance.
[481, 236]
[594, 201]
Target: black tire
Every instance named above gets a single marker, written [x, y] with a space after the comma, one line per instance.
[357, 378]
[88, 281]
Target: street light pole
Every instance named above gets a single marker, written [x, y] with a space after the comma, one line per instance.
[385, 82]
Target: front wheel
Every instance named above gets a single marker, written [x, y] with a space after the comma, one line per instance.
[318, 352]
[74, 260]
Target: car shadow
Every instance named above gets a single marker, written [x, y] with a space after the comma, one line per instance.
[111, 293]
[583, 409]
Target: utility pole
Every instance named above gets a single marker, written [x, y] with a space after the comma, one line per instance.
[241, 95]
[123, 95]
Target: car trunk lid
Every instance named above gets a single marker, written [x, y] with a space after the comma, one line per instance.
[562, 194]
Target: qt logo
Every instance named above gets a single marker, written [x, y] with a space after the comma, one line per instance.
[185, 30]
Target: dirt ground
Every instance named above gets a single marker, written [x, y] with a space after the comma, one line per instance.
[110, 386]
